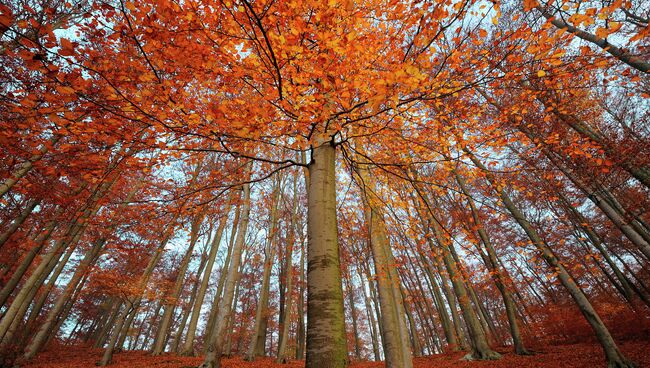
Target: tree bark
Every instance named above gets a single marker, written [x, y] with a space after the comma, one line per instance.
[40, 338]
[163, 329]
[20, 271]
[614, 357]
[258, 341]
[26, 166]
[188, 347]
[395, 336]
[283, 339]
[326, 342]
[217, 341]
[481, 349]
[499, 276]
[15, 225]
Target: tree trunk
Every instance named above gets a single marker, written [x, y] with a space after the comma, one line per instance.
[300, 334]
[38, 276]
[188, 347]
[15, 225]
[20, 271]
[447, 328]
[187, 309]
[413, 336]
[451, 301]
[118, 323]
[481, 349]
[371, 319]
[163, 328]
[353, 314]
[210, 327]
[614, 357]
[283, 338]
[44, 292]
[258, 340]
[498, 275]
[217, 341]
[26, 166]
[40, 338]
[326, 342]
[394, 333]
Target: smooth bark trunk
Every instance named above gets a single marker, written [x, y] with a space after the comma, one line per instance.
[216, 345]
[326, 341]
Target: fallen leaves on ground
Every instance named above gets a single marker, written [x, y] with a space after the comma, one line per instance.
[567, 356]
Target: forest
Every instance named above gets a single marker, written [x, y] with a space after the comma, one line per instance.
[324, 184]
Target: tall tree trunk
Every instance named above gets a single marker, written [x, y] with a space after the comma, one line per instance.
[479, 309]
[353, 314]
[283, 338]
[106, 325]
[69, 240]
[154, 318]
[210, 327]
[126, 328]
[163, 329]
[44, 292]
[371, 319]
[300, 333]
[188, 347]
[112, 340]
[394, 332]
[227, 350]
[451, 300]
[413, 336]
[447, 328]
[15, 225]
[258, 340]
[45, 266]
[614, 357]
[422, 309]
[39, 339]
[498, 275]
[187, 309]
[217, 341]
[20, 271]
[326, 342]
[481, 349]
[26, 166]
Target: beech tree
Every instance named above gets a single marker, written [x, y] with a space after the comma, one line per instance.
[411, 177]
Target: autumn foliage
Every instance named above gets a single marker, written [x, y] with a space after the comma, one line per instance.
[324, 183]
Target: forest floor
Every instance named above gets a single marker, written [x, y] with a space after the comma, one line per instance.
[583, 355]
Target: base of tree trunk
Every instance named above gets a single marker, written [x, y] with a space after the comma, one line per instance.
[456, 348]
[524, 351]
[621, 364]
[215, 364]
[487, 355]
